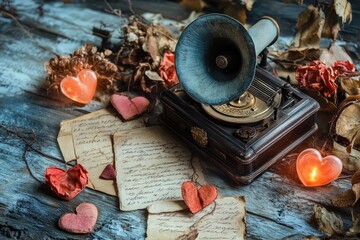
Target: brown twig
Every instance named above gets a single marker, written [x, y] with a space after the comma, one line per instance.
[28, 147]
[194, 226]
[194, 177]
[25, 31]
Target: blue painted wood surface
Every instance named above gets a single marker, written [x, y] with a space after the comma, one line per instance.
[278, 206]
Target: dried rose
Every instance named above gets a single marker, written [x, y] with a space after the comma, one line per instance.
[320, 77]
[69, 184]
[341, 67]
[317, 76]
[167, 69]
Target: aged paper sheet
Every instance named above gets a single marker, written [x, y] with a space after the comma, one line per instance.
[226, 222]
[88, 139]
[151, 165]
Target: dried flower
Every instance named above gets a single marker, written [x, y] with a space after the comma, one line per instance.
[167, 69]
[320, 77]
[86, 57]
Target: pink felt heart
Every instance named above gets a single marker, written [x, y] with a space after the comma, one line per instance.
[82, 222]
[81, 88]
[314, 170]
[197, 199]
[127, 107]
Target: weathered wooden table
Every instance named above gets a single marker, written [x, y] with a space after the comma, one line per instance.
[278, 206]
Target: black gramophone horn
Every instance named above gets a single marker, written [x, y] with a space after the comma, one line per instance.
[215, 57]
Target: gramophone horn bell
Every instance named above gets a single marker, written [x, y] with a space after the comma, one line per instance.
[215, 57]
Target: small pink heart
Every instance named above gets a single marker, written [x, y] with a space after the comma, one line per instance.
[109, 173]
[127, 107]
[82, 222]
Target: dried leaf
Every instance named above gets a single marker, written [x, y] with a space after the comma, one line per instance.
[151, 47]
[348, 122]
[194, 5]
[153, 76]
[355, 228]
[248, 4]
[355, 178]
[327, 222]
[350, 85]
[331, 26]
[356, 189]
[343, 10]
[351, 161]
[309, 27]
[345, 199]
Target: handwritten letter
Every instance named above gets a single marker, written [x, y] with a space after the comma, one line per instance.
[226, 222]
[151, 166]
[92, 144]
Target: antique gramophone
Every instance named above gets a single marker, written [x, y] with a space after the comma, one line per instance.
[228, 109]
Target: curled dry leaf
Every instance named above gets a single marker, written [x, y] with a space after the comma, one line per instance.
[346, 134]
[327, 222]
[194, 5]
[309, 27]
[350, 85]
[345, 199]
[355, 228]
[343, 10]
[351, 196]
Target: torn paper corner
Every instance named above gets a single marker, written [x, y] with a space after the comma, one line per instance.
[65, 141]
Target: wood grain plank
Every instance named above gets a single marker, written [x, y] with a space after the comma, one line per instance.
[277, 205]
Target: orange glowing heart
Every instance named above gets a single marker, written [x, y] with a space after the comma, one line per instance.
[80, 89]
[314, 170]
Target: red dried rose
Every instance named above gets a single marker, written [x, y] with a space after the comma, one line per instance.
[69, 184]
[320, 77]
[167, 69]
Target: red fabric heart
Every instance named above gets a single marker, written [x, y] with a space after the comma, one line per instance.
[129, 108]
[80, 89]
[197, 199]
[109, 173]
[314, 170]
[66, 185]
[82, 222]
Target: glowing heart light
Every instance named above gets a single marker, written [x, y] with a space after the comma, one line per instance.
[81, 88]
[314, 170]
